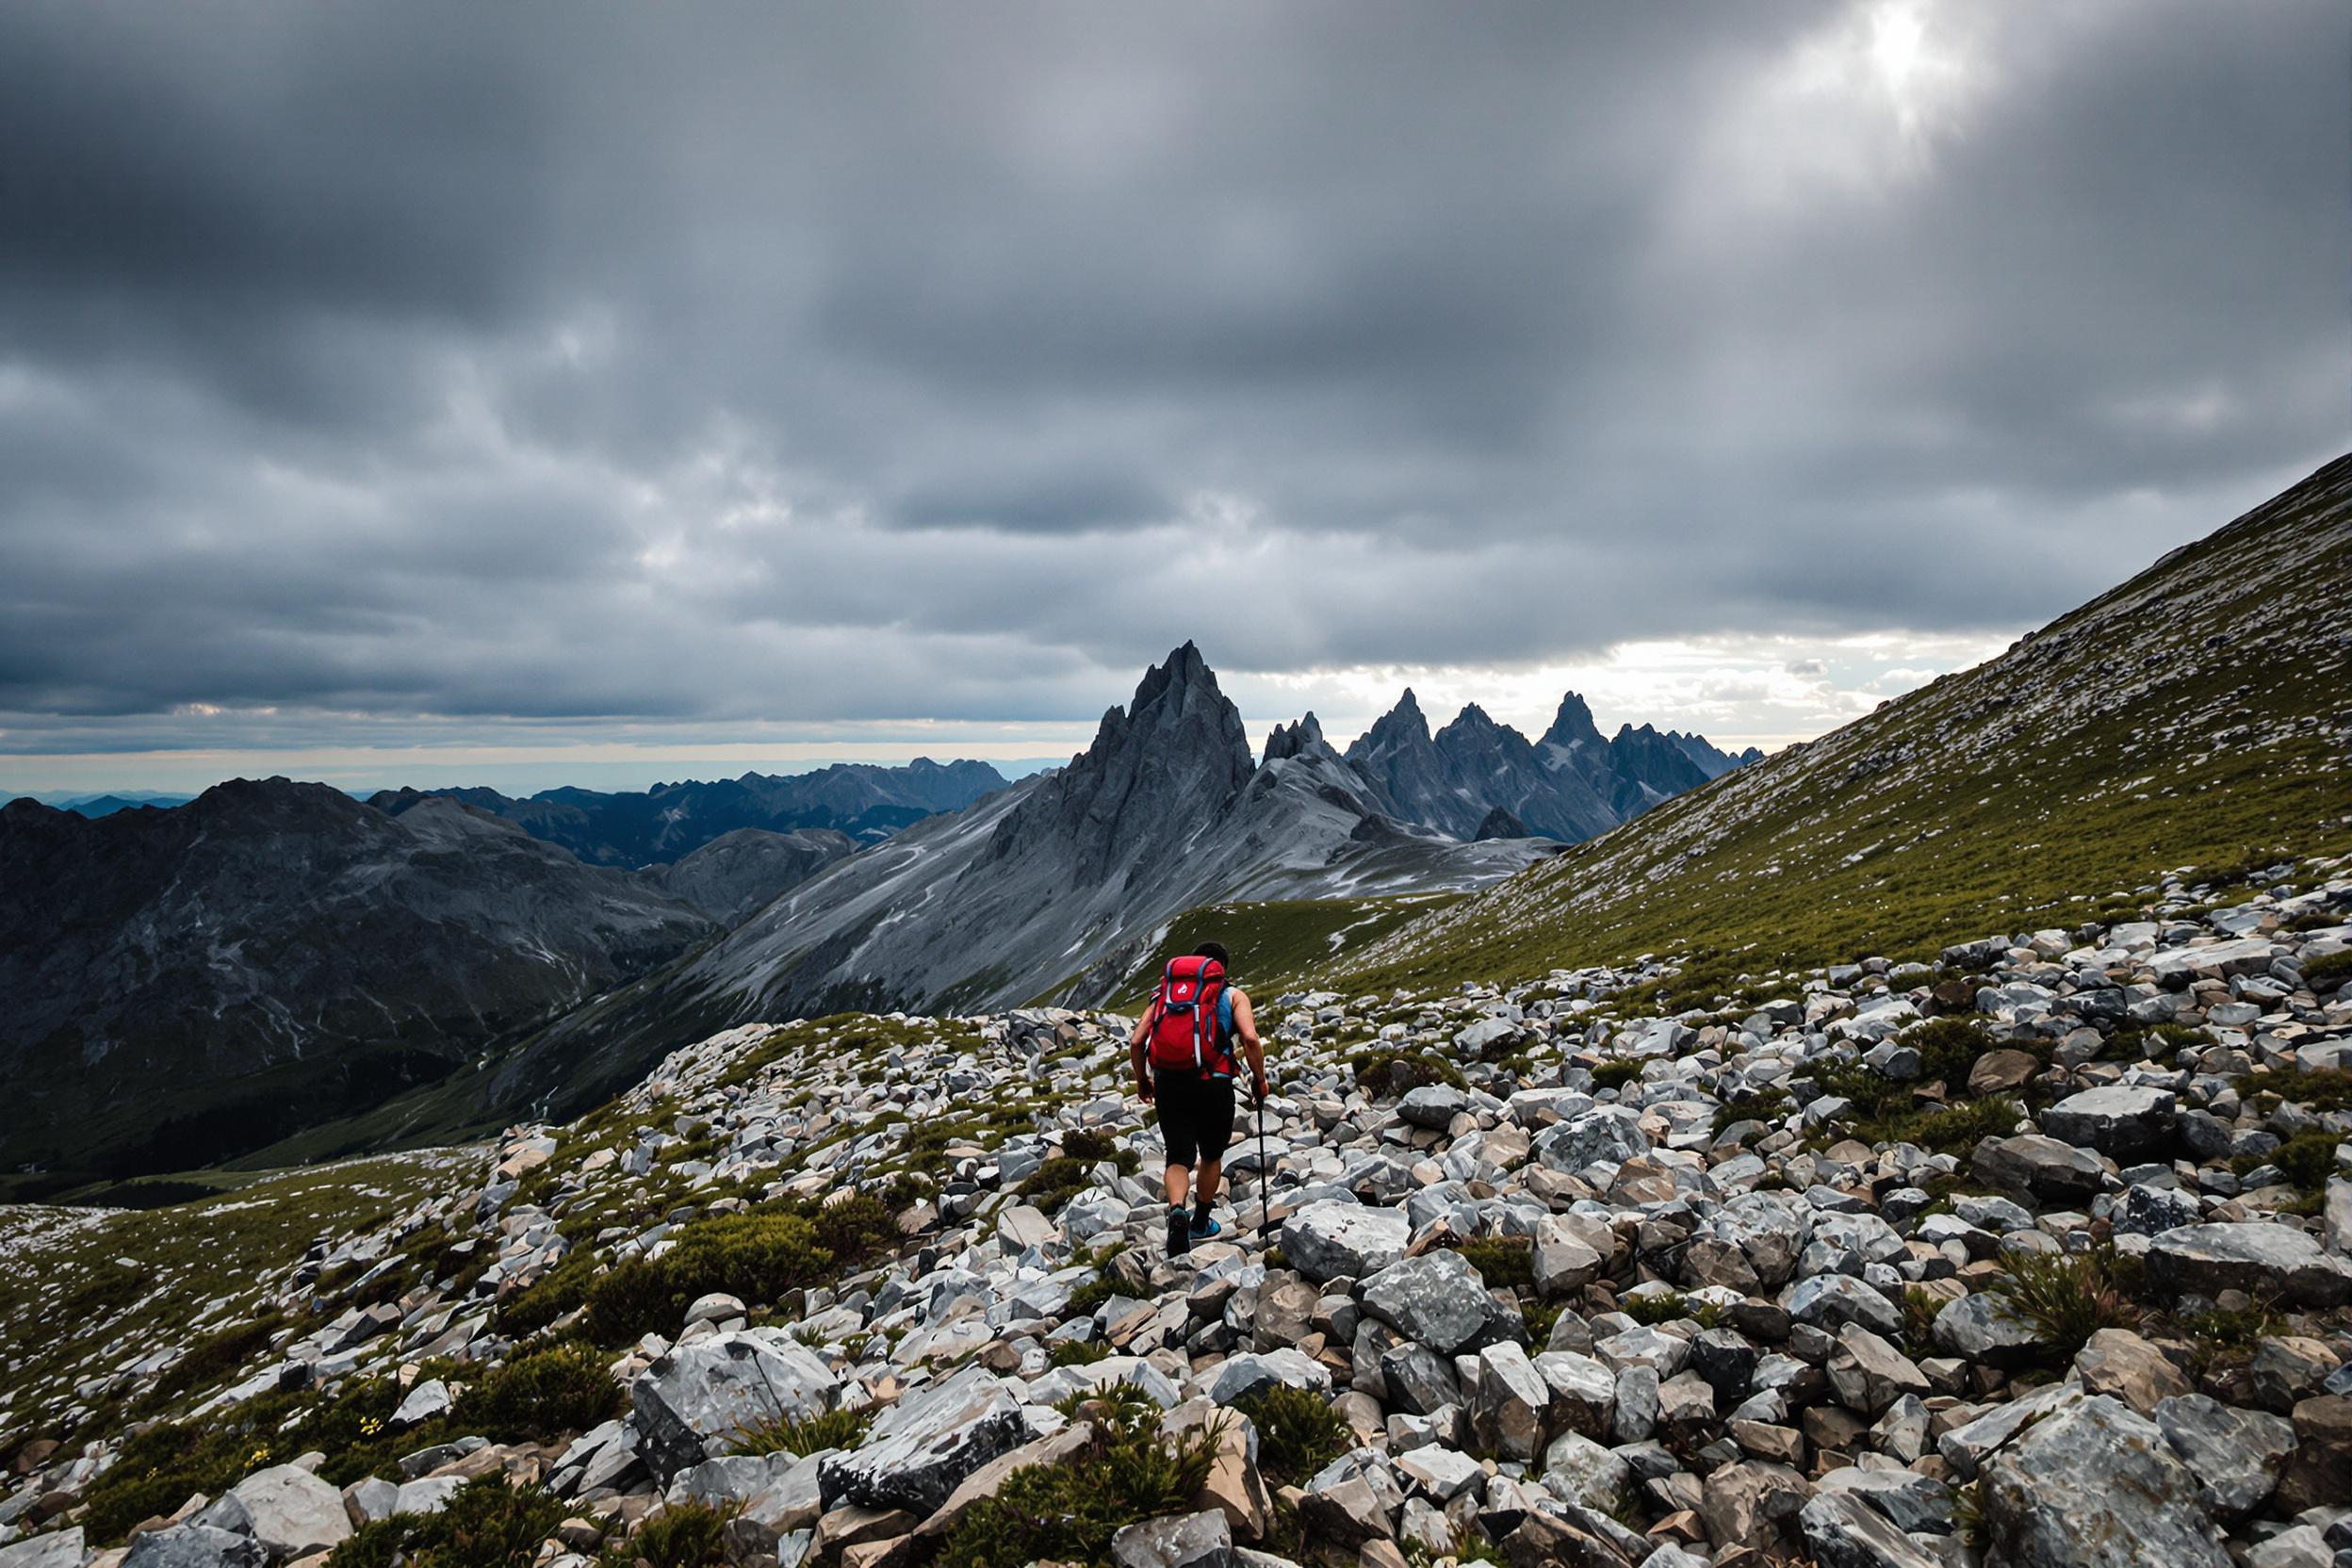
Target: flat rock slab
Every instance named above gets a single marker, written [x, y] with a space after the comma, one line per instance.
[924, 1447]
[2120, 1120]
[1329, 1239]
[1202, 1540]
[2096, 1485]
[697, 1401]
[2262, 1259]
[58, 1549]
[292, 1512]
[195, 1546]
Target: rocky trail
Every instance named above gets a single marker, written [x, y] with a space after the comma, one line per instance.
[2040, 1254]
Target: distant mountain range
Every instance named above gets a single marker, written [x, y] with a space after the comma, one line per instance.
[197, 982]
[107, 804]
[654, 826]
[1571, 785]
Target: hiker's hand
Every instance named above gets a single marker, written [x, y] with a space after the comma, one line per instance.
[1143, 1086]
[1258, 1084]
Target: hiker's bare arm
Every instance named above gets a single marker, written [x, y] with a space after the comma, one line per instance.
[1245, 1025]
[1135, 1053]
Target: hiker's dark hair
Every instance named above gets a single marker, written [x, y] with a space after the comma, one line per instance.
[1214, 949]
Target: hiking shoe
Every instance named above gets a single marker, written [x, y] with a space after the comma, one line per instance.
[1204, 1227]
[1179, 1234]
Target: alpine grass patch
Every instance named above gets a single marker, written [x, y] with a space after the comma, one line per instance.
[2066, 1296]
[1069, 1511]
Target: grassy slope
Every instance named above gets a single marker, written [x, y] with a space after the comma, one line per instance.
[1278, 944]
[2197, 715]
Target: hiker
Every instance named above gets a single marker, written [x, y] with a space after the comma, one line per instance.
[1184, 1060]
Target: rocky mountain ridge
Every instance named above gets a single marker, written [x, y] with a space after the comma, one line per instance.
[2002, 1260]
[1571, 785]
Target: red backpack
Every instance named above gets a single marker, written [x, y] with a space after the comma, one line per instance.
[1186, 1035]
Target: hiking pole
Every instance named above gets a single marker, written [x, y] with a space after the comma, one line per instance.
[1266, 1172]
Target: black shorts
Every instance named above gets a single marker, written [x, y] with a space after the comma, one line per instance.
[1196, 1115]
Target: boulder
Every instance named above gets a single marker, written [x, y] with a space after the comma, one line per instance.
[1238, 1377]
[1579, 1470]
[2263, 1259]
[2040, 1164]
[2118, 1362]
[291, 1511]
[1606, 1132]
[422, 1404]
[1330, 1239]
[1432, 1105]
[1982, 1328]
[1846, 1532]
[2095, 1485]
[195, 1546]
[2237, 1455]
[1834, 1301]
[1202, 1540]
[1869, 1373]
[2003, 1071]
[1507, 1401]
[695, 1401]
[2123, 1121]
[1437, 1298]
[1562, 1261]
[923, 1446]
[2320, 1472]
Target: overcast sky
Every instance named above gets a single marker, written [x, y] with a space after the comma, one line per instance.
[402, 391]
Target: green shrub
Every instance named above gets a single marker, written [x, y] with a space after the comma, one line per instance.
[808, 1434]
[560, 1290]
[2066, 1296]
[1947, 1047]
[1089, 1146]
[1077, 1352]
[2328, 1089]
[759, 1256]
[1299, 1432]
[1615, 1075]
[1069, 1511]
[541, 1396]
[684, 1535]
[1664, 1306]
[1390, 1074]
[2326, 973]
[1501, 1261]
[1957, 1129]
[2308, 1159]
[487, 1524]
[1055, 1182]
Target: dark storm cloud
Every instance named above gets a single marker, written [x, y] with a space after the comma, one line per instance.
[824, 362]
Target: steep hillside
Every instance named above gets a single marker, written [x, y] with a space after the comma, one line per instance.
[2196, 717]
[670, 820]
[186, 984]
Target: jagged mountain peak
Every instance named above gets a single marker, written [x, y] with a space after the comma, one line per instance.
[1573, 725]
[1300, 738]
